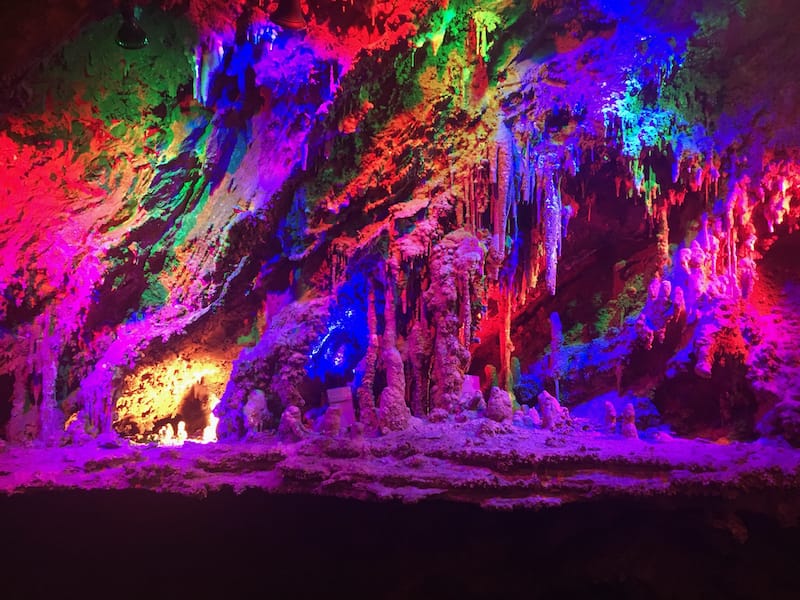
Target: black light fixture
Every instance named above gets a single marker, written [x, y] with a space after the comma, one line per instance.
[130, 36]
[289, 15]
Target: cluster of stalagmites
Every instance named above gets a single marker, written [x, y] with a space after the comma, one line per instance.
[497, 416]
[432, 355]
[702, 287]
[264, 392]
[626, 426]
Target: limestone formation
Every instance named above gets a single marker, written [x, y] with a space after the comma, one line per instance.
[499, 407]
[331, 421]
[532, 418]
[255, 411]
[393, 413]
[291, 428]
[628, 426]
[609, 417]
[784, 421]
[554, 416]
[438, 415]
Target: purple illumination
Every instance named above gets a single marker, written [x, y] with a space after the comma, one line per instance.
[520, 255]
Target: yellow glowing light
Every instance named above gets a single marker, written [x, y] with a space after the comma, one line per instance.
[210, 431]
[159, 391]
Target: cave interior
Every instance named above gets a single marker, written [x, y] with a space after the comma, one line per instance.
[403, 250]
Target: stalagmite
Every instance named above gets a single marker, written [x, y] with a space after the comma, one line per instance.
[628, 426]
[366, 369]
[499, 408]
[609, 417]
[419, 357]
[255, 411]
[393, 413]
[181, 435]
[458, 252]
[50, 418]
[662, 214]
[506, 345]
[554, 416]
[291, 428]
[166, 435]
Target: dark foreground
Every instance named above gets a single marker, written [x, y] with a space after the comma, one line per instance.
[136, 543]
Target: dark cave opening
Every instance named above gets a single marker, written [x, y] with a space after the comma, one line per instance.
[722, 406]
[194, 410]
[779, 260]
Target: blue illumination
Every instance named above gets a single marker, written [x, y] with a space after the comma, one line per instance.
[337, 352]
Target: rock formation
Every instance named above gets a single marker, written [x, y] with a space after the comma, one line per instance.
[393, 200]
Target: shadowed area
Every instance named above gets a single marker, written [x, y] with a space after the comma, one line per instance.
[303, 546]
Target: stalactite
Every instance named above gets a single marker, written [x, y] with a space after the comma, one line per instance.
[512, 216]
[468, 209]
[209, 56]
[676, 166]
[523, 176]
[536, 259]
[650, 190]
[197, 70]
[699, 178]
[480, 37]
[481, 191]
[539, 192]
[552, 223]
[505, 175]
[466, 75]
[332, 82]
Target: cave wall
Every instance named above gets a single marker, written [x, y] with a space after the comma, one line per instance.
[401, 194]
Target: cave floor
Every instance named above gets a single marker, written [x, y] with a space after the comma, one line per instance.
[480, 462]
[577, 513]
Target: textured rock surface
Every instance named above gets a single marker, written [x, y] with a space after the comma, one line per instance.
[587, 196]
[784, 421]
[628, 424]
[291, 427]
[499, 407]
[554, 416]
[509, 467]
